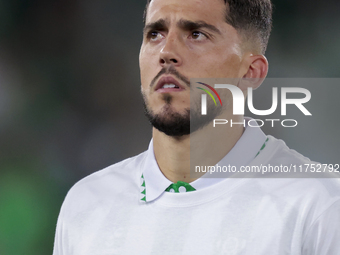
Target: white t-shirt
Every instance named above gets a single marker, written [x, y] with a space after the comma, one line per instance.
[104, 214]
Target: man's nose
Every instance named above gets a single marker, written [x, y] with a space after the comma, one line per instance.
[170, 53]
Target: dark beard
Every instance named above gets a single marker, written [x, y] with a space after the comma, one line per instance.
[169, 122]
[176, 124]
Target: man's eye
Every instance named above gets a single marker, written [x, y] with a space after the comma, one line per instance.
[198, 35]
[154, 36]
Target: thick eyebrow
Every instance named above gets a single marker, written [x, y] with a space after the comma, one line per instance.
[159, 25]
[195, 25]
[187, 25]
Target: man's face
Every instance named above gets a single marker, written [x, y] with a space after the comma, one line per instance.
[184, 39]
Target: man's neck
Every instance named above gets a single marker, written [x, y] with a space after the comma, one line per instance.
[205, 147]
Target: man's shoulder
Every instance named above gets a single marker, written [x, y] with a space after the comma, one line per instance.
[120, 178]
[277, 151]
[297, 174]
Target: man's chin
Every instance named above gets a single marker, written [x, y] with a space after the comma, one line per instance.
[170, 122]
[178, 123]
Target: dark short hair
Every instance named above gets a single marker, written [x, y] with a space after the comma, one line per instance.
[251, 18]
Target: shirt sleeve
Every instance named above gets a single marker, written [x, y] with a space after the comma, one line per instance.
[60, 240]
[324, 234]
[58, 244]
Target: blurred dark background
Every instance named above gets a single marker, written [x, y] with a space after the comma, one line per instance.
[70, 96]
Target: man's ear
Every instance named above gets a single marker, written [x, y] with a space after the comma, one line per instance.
[257, 72]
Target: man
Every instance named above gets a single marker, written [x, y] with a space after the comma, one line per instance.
[151, 204]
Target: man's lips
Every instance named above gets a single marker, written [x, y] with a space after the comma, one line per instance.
[168, 84]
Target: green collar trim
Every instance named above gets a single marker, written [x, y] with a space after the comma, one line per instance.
[263, 146]
[143, 189]
[180, 187]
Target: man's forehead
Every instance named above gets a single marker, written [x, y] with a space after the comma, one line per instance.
[207, 10]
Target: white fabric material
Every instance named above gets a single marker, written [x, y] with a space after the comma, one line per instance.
[241, 154]
[102, 214]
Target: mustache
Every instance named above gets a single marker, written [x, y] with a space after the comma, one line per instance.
[170, 70]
